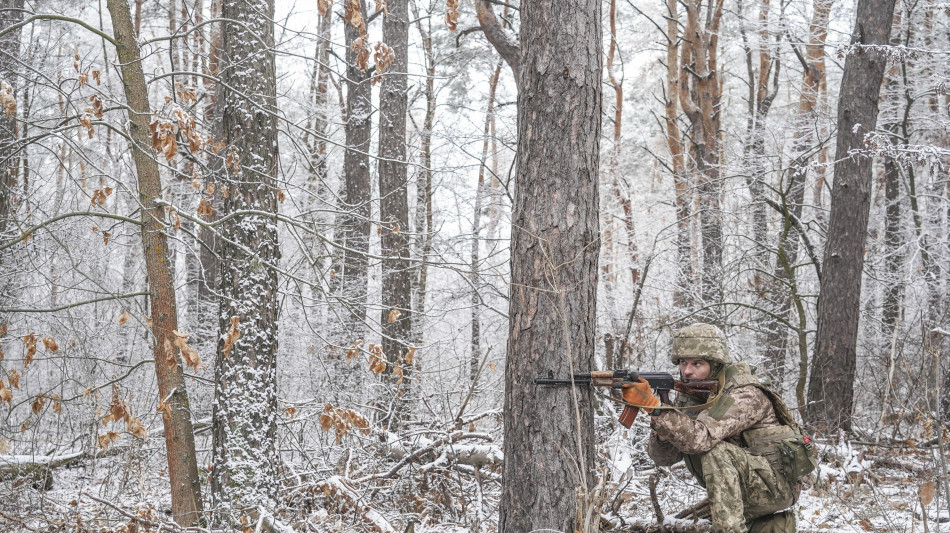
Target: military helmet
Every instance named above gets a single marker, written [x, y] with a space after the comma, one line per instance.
[702, 341]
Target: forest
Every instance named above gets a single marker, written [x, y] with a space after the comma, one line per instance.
[296, 266]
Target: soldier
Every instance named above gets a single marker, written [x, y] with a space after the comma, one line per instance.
[742, 445]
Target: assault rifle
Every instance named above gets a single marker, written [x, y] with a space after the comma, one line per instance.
[661, 382]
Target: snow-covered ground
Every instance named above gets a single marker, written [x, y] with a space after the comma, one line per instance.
[860, 487]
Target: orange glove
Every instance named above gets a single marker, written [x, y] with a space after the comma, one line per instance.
[641, 395]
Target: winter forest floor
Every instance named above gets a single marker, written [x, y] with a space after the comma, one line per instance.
[368, 487]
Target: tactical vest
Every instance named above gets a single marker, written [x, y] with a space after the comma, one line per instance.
[785, 446]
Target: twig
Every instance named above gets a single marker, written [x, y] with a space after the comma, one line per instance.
[654, 500]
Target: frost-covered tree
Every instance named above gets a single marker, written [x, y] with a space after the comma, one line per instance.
[245, 415]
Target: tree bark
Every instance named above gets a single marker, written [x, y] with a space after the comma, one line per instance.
[831, 388]
[548, 482]
[393, 200]
[700, 96]
[475, 357]
[503, 41]
[245, 409]
[179, 436]
[682, 298]
[9, 159]
[423, 214]
[355, 220]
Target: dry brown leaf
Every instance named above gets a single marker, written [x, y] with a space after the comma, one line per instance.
[29, 341]
[107, 439]
[6, 395]
[231, 337]
[14, 378]
[352, 15]
[452, 14]
[136, 428]
[205, 210]
[362, 53]
[37, 404]
[383, 56]
[86, 121]
[124, 317]
[927, 492]
[324, 6]
[7, 99]
[189, 354]
[97, 107]
[394, 315]
[50, 344]
[233, 160]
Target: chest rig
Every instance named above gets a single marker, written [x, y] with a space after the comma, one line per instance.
[785, 446]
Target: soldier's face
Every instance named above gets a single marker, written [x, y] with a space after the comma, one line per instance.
[693, 368]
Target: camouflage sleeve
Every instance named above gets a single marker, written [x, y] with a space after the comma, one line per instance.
[749, 407]
[662, 452]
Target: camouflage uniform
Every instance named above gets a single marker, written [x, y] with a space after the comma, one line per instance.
[744, 489]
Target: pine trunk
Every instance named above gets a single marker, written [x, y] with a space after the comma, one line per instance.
[831, 388]
[9, 167]
[245, 410]
[393, 203]
[549, 433]
[355, 220]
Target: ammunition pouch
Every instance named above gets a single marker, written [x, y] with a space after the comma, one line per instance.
[787, 450]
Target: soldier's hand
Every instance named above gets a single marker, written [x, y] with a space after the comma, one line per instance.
[641, 395]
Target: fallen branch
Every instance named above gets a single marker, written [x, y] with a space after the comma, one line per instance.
[670, 526]
[441, 451]
[338, 487]
[39, 467]
[694, 512]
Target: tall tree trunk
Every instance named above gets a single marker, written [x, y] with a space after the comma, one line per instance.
[10, 15]
[758, 179]
[896, 125]
[208, 269]
[355, 220]
[475, 261]
[682, 299]
[700, 96]
[792, 197]
[244, 426]
[618, 188]
[548, 475]
[319, 199]
[423, 213]
[179, 435]
[396, 287]
[831, 388]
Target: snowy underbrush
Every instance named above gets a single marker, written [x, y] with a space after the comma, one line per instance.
[449, 480]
